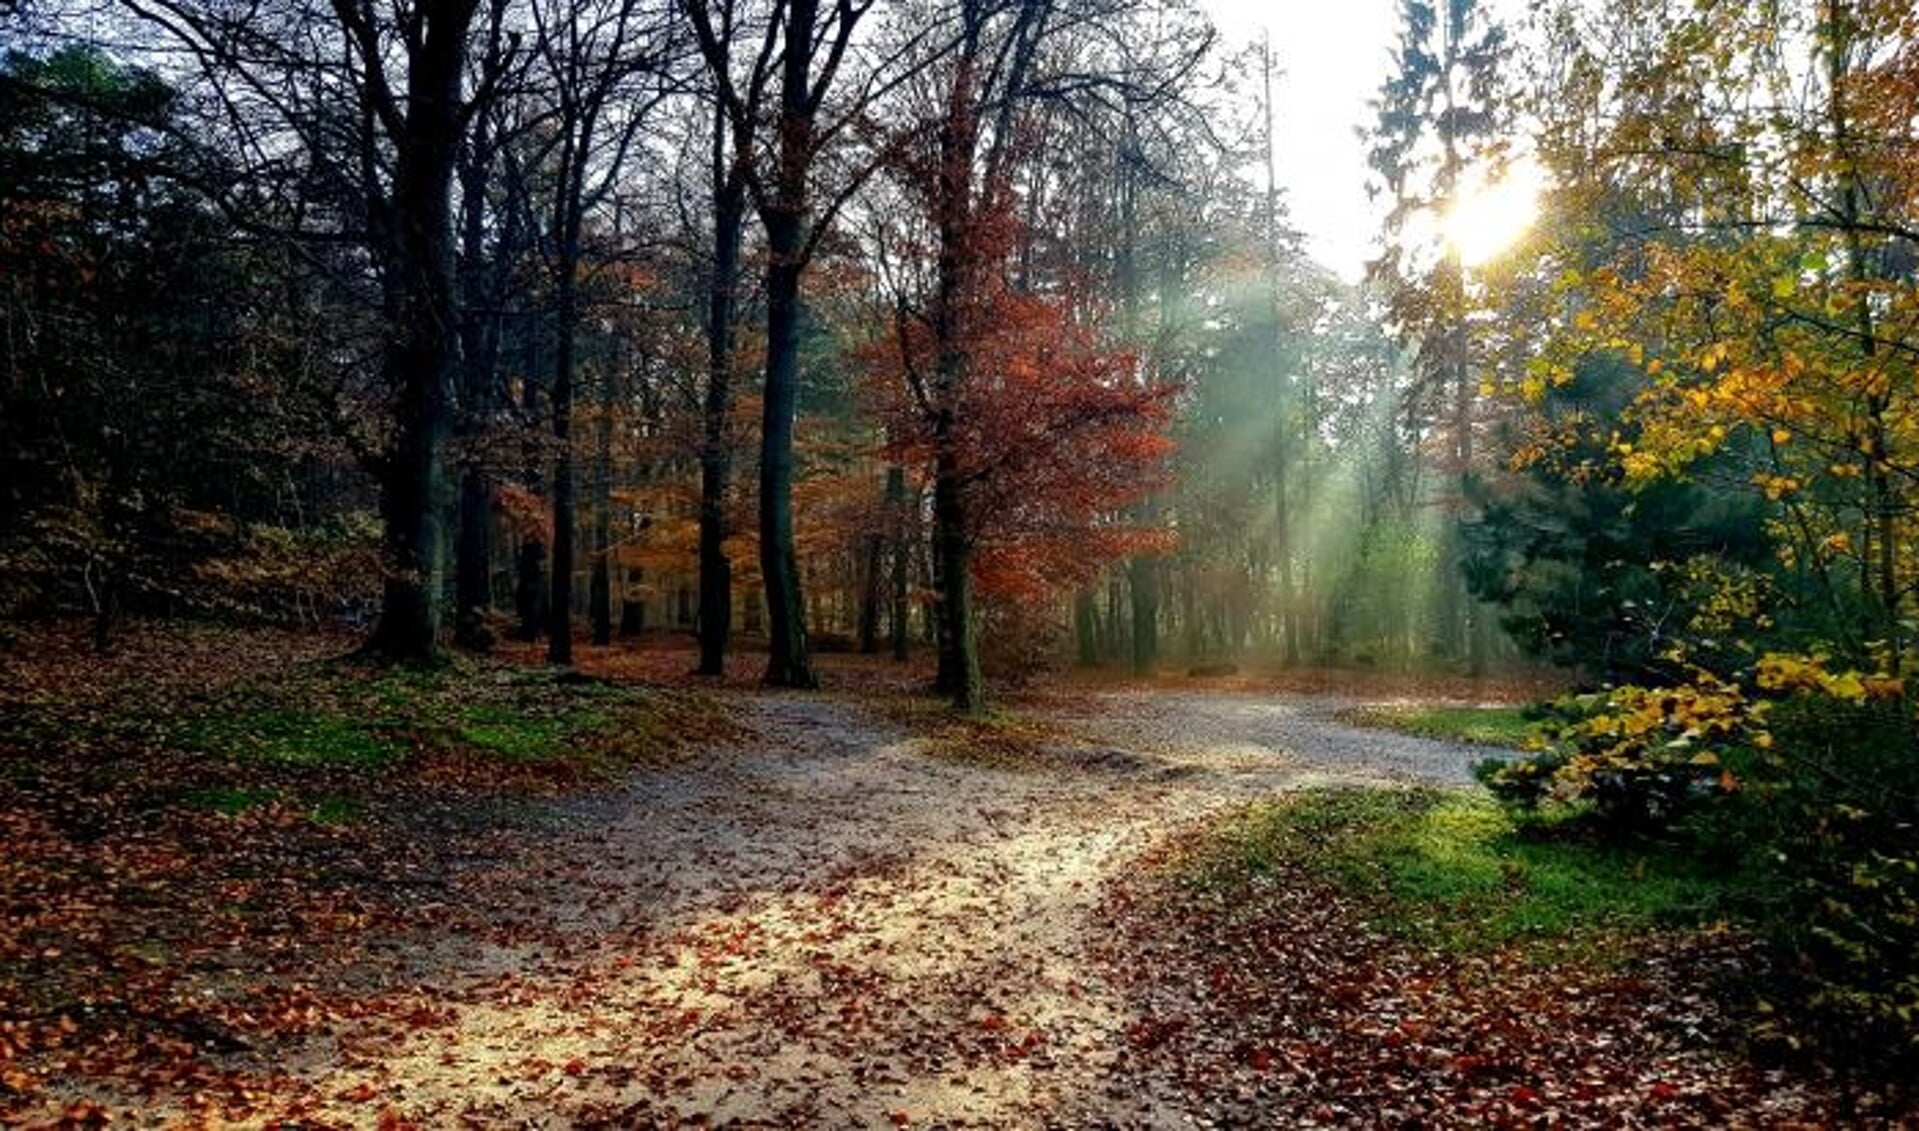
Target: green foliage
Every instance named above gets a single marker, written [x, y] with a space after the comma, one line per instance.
[1593, 574]
[331, 810]
[1810, 780]
[526, 737]
[343, 717]
[1455, 871]
[1634, 759]
[1841, 822]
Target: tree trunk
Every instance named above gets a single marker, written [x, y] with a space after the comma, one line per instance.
[1086, 627]
[422, 350]
[480, 342]
[600, 588]
[529, 584]
[1282, 445]
[559, 612]
[716, 457]
[786, 660]
[872, 585]
[902, 555]
[632, 608]
[959, 668]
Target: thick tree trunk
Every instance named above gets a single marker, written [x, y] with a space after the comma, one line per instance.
[787, 663]
[422, 351]
[959, 667]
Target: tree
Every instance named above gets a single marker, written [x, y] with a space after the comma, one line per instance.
[150, 406]
[1755, 268]
[592, 52]
[730, 163]
[401, 70]
[803, 49]
[1439, 124]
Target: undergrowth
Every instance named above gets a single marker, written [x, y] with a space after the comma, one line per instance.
[1505, 726]
[1454, 872]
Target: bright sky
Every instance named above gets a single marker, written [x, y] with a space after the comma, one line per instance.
[1330, 59]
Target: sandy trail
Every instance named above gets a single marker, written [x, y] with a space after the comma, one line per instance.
[824, 925]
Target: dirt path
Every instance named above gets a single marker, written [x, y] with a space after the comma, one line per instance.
[825, 925]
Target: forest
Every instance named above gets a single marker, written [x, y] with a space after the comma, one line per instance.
[860, 562]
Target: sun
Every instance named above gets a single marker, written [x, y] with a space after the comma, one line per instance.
[1489, 215]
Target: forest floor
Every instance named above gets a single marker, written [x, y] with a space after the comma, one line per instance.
[824, 909]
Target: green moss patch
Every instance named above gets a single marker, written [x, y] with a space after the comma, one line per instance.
[1453, 871]
[1480, 726]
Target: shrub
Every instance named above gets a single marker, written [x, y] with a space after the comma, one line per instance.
[1810, 772]
[1639, 758]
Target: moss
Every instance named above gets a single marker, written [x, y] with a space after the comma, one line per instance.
[292, 737]
[1480, 726]
[1453, 871]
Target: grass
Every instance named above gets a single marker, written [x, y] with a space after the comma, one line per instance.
[478, 715]
[523, 737]
[1479, 726]
[289, 736]
[1452, 871]
[336, 811]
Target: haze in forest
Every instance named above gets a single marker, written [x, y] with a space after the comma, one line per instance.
[810, 562]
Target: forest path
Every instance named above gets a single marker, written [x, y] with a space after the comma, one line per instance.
[828, 925]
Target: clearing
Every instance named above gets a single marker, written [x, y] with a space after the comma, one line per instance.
[845, 913]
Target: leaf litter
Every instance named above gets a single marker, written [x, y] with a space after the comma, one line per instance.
[809, 917]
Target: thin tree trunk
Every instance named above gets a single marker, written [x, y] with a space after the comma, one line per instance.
[872, 586]
[600, 589]
[559, 626]
[716, 457]
[1086, 627]
[902, 555]
[529, 585]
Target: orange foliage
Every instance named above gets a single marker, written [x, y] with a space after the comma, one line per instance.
[1056, 435]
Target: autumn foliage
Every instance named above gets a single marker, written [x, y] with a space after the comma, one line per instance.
[1055, 436]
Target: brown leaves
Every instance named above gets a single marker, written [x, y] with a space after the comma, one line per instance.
[1275, 1002]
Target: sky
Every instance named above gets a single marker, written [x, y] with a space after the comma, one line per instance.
[1331, 57]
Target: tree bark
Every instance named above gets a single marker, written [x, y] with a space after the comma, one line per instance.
[787, 663]
[422, 351]
[600, 587]
[716, 457]
[902, 556]
[559, 612]
[1086, 627]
